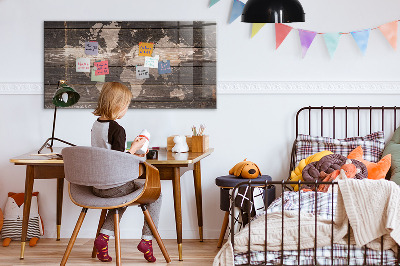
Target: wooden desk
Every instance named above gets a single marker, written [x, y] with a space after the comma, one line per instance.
[40, 167]
[168, 164]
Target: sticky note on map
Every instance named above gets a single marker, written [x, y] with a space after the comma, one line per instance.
[146, 48]
[102, 68]
[142, 72]
[98, 78]
[83, 64]
[91, 48]
[151, 62]
[164, 67]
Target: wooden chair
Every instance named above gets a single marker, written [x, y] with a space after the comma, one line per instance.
[85, 167]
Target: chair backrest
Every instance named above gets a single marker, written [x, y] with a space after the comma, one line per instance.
[92, 166]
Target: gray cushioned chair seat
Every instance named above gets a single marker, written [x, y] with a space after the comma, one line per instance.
[99, 167]
[83, 196]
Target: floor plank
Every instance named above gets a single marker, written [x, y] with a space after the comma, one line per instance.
[50, 252]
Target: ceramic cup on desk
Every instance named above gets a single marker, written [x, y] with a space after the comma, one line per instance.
[152, 155]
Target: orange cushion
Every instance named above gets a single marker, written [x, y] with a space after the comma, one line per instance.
[375, 170]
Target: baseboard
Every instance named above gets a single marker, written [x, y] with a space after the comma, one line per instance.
[258, 87]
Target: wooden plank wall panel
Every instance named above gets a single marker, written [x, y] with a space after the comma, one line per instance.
[190, 46]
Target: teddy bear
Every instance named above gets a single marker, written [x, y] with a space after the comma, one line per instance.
[245, 169]
[13, 215]
[180, 144]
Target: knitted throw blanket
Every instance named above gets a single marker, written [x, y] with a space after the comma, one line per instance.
[373, 209]
[274, 235]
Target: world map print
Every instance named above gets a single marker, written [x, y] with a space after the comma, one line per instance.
[188, 46]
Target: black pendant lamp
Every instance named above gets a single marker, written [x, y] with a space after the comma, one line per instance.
[273, 11]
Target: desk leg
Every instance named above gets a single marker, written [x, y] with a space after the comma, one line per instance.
[60, 190]
[27, 206]
[199, 204]
[176, 183]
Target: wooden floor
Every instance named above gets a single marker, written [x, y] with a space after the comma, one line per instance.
[50, 252]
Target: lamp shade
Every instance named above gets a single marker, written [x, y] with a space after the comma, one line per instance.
[273, 11]
[65, 96]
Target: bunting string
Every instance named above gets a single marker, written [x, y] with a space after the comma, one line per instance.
[343, 33]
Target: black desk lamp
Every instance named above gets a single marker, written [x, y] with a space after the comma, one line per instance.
[273, 11]
[65, 96]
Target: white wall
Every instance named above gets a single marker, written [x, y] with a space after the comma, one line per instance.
[259, 127]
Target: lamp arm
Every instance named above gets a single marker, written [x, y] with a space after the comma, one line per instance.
[51, 140]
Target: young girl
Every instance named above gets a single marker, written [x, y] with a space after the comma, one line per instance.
[107, 133]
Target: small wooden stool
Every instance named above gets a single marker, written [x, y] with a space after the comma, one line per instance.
[226, 183]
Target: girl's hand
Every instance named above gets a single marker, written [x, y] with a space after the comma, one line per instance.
[143, 155]
[137, 144]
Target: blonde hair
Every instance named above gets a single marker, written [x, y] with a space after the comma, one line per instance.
[114, 96]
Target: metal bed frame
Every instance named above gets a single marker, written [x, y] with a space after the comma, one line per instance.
[283, 184]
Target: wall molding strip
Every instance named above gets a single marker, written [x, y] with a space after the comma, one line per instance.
[259, 87]
[309, 87]
[21, 88]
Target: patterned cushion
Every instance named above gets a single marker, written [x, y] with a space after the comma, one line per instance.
[372, 144]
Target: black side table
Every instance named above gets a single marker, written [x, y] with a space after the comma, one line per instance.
[226, 183]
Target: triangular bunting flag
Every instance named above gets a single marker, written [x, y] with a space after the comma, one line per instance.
[361, 38]
[213, 2]
[237, 9]
[390, 32]
[255, 28]
[332, 41]
[281, 31]
[306, 39]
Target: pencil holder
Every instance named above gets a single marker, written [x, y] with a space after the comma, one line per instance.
[200, 143]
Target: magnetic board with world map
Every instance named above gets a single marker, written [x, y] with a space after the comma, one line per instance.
[189, 47]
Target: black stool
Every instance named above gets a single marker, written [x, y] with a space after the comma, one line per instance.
[226, 183]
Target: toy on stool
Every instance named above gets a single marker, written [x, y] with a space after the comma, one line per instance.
[13, 215]
[245, 169]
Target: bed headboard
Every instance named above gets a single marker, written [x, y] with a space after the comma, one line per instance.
[344, 121]
[344, 118]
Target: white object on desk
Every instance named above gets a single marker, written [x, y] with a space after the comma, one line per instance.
[180, 144]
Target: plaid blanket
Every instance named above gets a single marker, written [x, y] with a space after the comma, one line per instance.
[322, 204]
[324, 257]
[307, 202]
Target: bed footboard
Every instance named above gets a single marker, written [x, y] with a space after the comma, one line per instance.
[309, 256]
